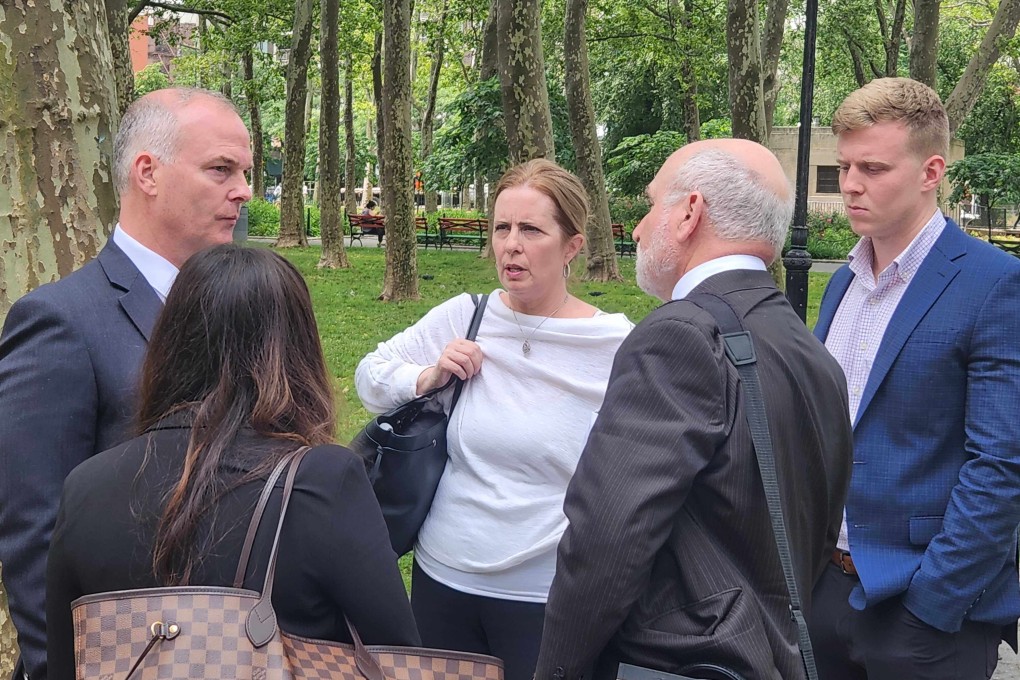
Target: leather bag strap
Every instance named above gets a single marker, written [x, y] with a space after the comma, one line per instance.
[256, 518]
[740, 352]
[476, 321]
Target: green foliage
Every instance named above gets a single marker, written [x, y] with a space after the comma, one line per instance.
[149, 79]
[635, 160]
[628, 210]
[993, 176]
[263, 218]
[717, 128]
[829, 236]
[994, 123]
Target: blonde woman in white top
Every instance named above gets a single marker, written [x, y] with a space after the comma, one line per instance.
[536, 376]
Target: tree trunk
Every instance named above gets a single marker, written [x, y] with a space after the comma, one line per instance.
[119, 28]
[330, 221]
[251, 94]
[689, 98]
[522, 81]
[428, 118]
[397, 182]
[893, 39]
[58, 113]
[350, 196]
[775, 22]
[292, 213]
[971, 83]
[380, 123]
[743, 45]
[925, 45]
[601, 264]
[489, 64]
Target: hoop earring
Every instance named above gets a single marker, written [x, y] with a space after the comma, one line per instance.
[566, 271]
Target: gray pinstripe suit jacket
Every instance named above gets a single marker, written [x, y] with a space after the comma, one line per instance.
[669, 557]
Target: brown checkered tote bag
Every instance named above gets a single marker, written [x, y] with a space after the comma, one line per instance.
[216, 632]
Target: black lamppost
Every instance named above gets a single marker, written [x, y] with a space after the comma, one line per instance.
[797, 259]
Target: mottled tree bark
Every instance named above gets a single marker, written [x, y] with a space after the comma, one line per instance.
[330, 221]
[925, 45]
[892, 34]
[743, 46]
[350, 197]
[251, 94]
[380, 122]
[489, 68]
[397, 181]
[522, 81]
[428, 117]
[969, 87]
[292, 218]
[775, 22]
[118, 23]
[58, 114]
[601, 264]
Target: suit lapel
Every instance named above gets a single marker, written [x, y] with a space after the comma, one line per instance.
[835, 291]
[933, 276]
[139, 301]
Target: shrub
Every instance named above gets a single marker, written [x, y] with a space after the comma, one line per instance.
[628, 210]
[263, 218]
[829, 236]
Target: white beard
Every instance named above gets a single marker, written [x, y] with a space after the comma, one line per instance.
[656, 262]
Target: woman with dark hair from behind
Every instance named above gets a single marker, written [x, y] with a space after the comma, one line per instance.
[234, 380]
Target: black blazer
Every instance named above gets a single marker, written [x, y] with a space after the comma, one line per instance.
[669, 557]
[335, 555]
[70, 353]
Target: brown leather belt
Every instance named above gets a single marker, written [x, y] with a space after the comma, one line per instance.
[843, 560]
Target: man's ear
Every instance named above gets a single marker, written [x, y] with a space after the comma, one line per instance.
[687, 216]
[143, 173]
[934, 169]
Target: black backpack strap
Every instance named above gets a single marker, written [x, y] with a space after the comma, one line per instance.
[739, 347]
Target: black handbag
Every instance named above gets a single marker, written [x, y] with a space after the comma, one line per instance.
[405, 453]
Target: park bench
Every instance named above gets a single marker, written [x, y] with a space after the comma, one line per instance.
[462, 230]
[1008, 241]
[366, 224]
[425, 234]
[622, 240]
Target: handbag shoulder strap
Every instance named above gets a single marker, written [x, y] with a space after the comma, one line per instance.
[739, 347]
[256, 518]
[476, 321]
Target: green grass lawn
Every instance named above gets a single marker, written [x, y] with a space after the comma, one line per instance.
[352, 320]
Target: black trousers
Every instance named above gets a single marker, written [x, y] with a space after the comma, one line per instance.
[887, 642]
[450, 619]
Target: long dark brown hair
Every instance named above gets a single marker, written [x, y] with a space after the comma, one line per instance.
[235, 346]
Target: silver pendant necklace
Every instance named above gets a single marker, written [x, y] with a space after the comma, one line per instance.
[526, 345]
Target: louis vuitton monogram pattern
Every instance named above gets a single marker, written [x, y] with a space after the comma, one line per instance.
[112, 631]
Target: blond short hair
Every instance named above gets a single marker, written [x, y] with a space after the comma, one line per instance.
[901, 100]
[562, 187]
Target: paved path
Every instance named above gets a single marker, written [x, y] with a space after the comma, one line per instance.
[1009, 665]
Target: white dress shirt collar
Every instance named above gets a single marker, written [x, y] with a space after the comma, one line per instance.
[157, 270]
[696, 276]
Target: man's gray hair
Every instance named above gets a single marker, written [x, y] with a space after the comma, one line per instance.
[739, 203]
[151, 124]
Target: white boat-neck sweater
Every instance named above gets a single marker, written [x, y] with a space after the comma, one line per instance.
[514, 438]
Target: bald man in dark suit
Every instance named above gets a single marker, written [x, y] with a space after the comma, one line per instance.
[669, 558]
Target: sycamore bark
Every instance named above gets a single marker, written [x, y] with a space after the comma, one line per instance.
[330, 221]
[428, 117]
[251, 94]
[924, 46]
[350, 197]
[397, 182]
[522, 81]
[601, 263]
[292, 218]
[380, 122]
[118, 13]
[58, 115]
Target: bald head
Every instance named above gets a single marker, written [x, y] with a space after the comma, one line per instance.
[746, 193]
[152, 124]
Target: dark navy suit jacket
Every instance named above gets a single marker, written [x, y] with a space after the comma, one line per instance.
[935, 495]
[70, 354]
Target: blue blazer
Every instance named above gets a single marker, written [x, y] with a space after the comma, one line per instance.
[934, 498]
[70, 354]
